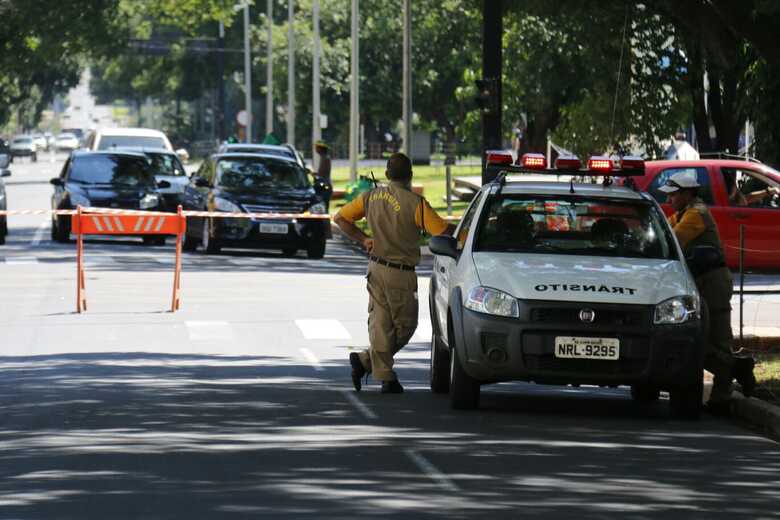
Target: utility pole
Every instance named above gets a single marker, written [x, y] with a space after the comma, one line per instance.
[316, 130]
[247, 75]
[269, 95]
[407, 78]
[354, 119]
[290, 73]
[492, 30]
[221, 121]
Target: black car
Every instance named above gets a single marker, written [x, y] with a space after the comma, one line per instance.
[255, 183]
[122, 180]
[166, 166]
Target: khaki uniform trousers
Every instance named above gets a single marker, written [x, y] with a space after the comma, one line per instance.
[716, 288]
[392, 317]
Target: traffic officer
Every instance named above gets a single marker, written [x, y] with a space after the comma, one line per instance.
[396, 217]
[694, 226]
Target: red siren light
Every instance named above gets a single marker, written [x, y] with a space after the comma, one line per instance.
[534, 161]
[568, 163]
[632, 163]
[498, 157]
[600, 163]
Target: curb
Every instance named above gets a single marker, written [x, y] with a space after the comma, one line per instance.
[756, 412]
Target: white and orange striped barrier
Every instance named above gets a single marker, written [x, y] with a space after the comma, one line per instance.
[85, 222]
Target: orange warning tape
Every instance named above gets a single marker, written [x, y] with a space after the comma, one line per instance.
[211, 214]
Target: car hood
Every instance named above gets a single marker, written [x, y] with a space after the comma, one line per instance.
[108, 192]
[583, 278]
[281, 198]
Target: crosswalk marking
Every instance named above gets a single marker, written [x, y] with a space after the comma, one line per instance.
[21, 260]
[209, 330]
[322, 329]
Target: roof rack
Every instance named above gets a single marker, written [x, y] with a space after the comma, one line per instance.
[727, 155]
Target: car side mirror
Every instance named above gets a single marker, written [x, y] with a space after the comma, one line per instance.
[444, 245]
[163, 184]
[200, 182]
[703, 259]
[56, 181]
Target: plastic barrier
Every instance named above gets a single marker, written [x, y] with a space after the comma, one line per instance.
[125, 223]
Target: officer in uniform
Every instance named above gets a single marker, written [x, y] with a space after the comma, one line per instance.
[396, 216]
[694, 226]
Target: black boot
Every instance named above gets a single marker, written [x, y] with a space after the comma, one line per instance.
[392, 387]
[743, 373]
[357, 370]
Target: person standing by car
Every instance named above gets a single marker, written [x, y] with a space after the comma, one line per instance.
[396, 216]
[323, 170]
[694, 226]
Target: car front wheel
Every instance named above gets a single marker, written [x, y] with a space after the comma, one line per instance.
[316, 248]
[464, 389]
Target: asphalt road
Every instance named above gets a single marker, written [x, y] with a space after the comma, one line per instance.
[241, 406]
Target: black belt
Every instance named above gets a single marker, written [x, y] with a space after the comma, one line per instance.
[382, 261]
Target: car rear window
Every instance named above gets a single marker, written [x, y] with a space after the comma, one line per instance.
[260, 172]
[117, 141]
[111, 169]
[574, 226]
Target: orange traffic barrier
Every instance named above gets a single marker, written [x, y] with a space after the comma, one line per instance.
[126, 223]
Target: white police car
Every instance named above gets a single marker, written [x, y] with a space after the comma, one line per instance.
[565, 283]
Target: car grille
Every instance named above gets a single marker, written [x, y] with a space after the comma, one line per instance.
[273, 208]
[594, 367]
[605, 317]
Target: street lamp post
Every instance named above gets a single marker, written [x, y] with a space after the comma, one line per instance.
[316, 130]
[290, 73]
[354, 119]
[269, 95]
[407, 79]
[247, 75]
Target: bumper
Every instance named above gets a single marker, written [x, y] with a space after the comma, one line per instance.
[243, 232]
[506, 349]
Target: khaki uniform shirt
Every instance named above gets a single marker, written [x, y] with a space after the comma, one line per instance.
[395, 216]
[694, 226]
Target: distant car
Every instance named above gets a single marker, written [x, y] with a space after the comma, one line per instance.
[283, 150]
[24, 146]
[40, 141]
[4, 172]
[67, 142]
[254, 183]
[112, 138]
[760, 218]
[122, 180]
[167, 167]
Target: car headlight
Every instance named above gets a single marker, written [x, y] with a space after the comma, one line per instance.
[492, 301]
[152, 200]
[318, 209]
[679, 309]
[221, 204]
[77, 199]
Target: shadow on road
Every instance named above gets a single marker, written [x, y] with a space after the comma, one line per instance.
[143, 435]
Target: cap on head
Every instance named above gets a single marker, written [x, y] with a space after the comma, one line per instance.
[685, 180]
[322, 144]
[399, 167]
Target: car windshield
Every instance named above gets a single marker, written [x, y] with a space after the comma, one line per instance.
[574, 226]
[111, 169]
[66, 137]
[165, 164]
[23, 140]
[260, 172]
[118, 141]
[269, 151]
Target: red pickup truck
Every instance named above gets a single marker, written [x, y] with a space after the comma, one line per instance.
[756, 205]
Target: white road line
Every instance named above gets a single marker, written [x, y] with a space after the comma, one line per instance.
[423, 332]
[349, 395]
[322, 329]
[208, 330]
[40, 232]
[21, 260]
[431, 471]
[311, 358]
